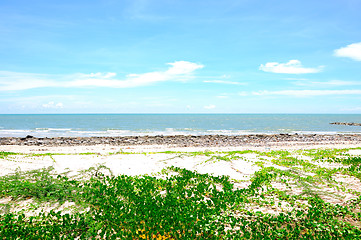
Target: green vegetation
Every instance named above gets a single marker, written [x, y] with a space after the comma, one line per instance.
[40, 185]
[6, 154]
[294, 195]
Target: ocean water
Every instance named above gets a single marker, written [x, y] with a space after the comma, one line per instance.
[84, 125]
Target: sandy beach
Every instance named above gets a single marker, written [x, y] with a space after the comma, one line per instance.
[300, 168]
[141, 158]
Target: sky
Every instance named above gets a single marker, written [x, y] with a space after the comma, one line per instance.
[180, 56]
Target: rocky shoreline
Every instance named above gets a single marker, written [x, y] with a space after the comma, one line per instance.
[346, 123]
[189, 140]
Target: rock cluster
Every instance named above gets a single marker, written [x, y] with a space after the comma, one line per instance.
[188, 140]
[346, 123]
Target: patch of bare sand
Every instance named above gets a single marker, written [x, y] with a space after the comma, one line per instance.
[102, 149]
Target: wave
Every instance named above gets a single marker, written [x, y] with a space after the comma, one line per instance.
[53, 129]
[68, 132]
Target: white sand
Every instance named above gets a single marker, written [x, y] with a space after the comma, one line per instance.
[147, 160]
[162, 148]
[129, 164]
[152, 159]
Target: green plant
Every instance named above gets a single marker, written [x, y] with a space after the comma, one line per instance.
[42, 185]
[183, 204]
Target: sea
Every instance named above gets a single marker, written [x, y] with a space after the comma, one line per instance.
[97, 125]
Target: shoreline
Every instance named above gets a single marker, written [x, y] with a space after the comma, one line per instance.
[185, 143]
[187, 140]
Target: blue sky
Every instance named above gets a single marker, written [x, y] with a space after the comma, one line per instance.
[180, 56]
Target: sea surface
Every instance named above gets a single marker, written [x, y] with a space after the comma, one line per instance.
[85, 125]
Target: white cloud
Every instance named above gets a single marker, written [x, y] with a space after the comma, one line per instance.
[53, 105]
[59, 105]
[305, 93]
[179, 70]
[211, 106]
[329, 83]
[224, 82]
[291, 67]
[296, 79]
[101, 75]
[183, 67]
[352, 51]
[41, 99]
[10, 81]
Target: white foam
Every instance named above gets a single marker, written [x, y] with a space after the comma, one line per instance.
[68, 132]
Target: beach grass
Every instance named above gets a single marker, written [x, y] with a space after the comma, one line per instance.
[302, 194]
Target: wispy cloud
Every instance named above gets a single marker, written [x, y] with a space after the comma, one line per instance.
[53, 105]
[296, 79]
[224, 82]
[305, 93]
[42, 99]
[12, 81]
[291, 67]
[352, 51]
[334, 83]
[211, 106]
[20, 81]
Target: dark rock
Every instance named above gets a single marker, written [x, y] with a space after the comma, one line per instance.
[187, 140]
[346, 123]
